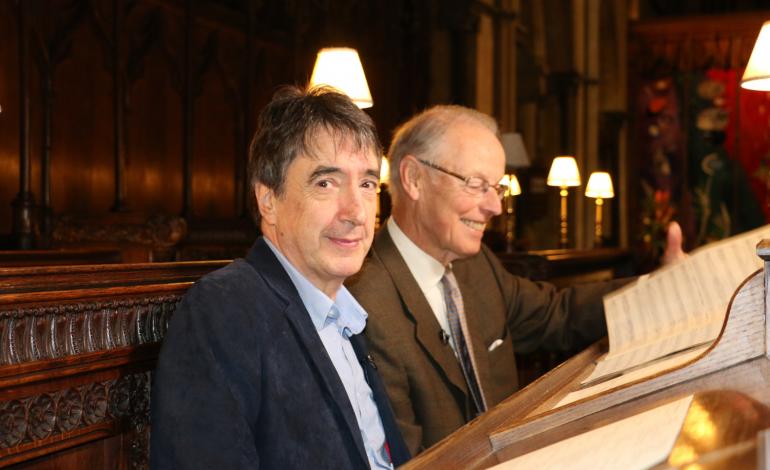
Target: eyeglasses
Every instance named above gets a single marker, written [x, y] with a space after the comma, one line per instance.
[474, 185]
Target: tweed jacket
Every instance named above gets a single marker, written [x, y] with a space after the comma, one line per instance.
[423, 377]
[244, 381]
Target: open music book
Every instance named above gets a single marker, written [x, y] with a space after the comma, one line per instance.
[672, 315]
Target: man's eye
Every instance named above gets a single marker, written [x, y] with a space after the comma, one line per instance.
[324, 184]
[369, 185]
[475, 183]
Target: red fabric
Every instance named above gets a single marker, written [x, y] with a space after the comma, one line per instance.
[750, 127]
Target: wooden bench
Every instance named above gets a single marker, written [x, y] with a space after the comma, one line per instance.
[77, 346]
[59, 257]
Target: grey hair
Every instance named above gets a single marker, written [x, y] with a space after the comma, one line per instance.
[422, 135]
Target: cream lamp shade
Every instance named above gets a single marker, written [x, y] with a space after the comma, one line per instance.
[512, 183]
[340, 67]
[384, 170]
[564, 172]
[600, 185]
[757, 73]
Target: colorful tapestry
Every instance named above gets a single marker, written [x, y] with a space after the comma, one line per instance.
[704, 156]
[661, 160]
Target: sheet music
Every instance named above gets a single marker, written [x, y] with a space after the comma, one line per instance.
[679, 306]
[633, 375]
[637, 442]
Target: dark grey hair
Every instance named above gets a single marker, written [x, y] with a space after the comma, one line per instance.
[288, 124]
[421, 136]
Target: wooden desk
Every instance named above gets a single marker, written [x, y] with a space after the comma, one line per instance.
[567, 267]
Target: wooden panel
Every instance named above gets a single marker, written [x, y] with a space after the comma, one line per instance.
[76, 350]
[140, 100]
[15, 258]
[103, 453]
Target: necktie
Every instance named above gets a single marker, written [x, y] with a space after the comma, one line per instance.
[459, 329]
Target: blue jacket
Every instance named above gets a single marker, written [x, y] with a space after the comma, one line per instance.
[243, 380]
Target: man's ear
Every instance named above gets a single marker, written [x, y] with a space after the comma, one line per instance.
[266, 203]
[411, 181]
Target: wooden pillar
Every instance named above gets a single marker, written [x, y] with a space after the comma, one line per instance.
[243, 190]
[23, 204]
[45, 163]
[187, 113]
[119, 202]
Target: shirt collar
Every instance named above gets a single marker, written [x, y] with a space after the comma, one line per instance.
[427, 271]
[346, 312]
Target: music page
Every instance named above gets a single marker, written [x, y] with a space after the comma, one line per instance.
[677, 307]
[640, 441]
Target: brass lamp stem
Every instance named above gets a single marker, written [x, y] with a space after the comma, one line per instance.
[598, 230]
[510, 222]
[563, 241]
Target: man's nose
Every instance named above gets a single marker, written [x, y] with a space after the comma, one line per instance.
[353, 206]
[491, 202]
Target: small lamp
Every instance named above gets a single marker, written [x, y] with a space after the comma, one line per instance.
[599, 187]
[383, 198]
[512, 189]
[757, 73]
[515, 151]
[340, 67]
[564, 173]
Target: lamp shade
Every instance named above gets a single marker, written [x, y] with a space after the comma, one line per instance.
[340, 67]
[757, 73]
[384, 171]
[600, 185]
[512, 183]
[564, 172]
[515, 152]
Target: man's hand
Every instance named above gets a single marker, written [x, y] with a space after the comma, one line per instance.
[674, 250]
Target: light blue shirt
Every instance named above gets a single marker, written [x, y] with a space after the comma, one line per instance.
[335, 322]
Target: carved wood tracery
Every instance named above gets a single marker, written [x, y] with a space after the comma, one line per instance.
[77, 345]
[37, 420]
[35, 334]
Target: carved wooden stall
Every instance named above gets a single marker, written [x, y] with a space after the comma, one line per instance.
[737, 361]
[117, 111]
[77, 345]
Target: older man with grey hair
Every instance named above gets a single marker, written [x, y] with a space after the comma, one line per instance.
[446, 317]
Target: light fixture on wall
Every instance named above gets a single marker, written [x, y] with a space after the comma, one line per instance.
[599, 187]
[757, 73]
[340, 67]
[563, 174]
[509, 202]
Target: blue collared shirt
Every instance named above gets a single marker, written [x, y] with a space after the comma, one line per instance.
[336, 321]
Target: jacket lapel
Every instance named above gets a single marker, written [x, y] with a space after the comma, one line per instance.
[268, 266]
[428, 330]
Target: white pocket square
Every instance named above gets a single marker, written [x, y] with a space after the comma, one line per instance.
[495, 344]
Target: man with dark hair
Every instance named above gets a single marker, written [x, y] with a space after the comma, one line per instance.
[445, 317]
[262, 364]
